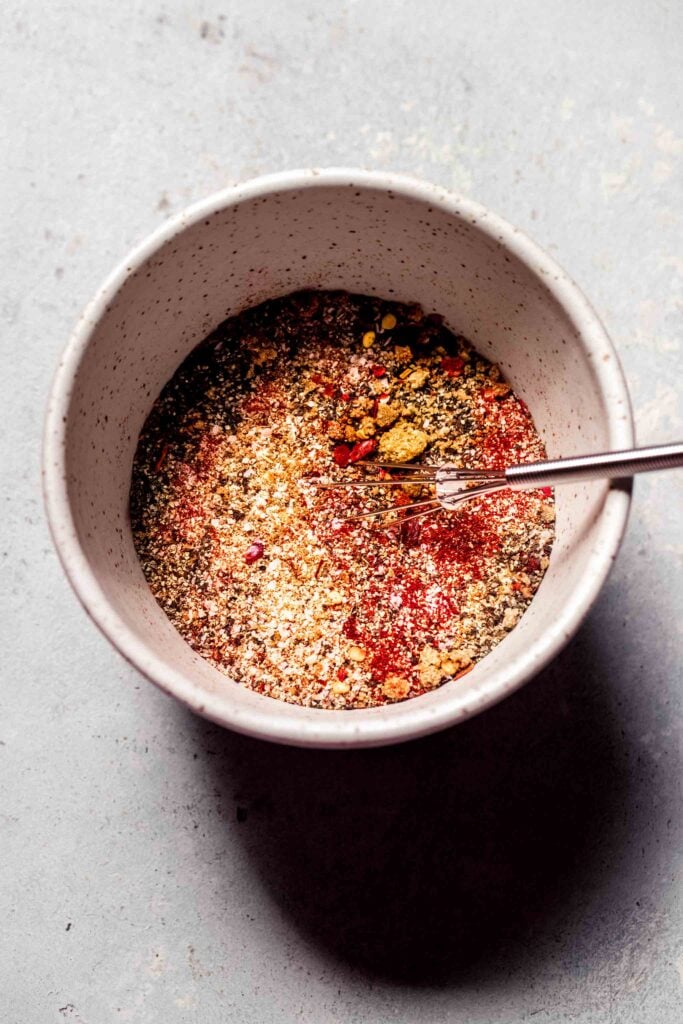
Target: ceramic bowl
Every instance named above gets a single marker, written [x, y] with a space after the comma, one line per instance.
[375, 233]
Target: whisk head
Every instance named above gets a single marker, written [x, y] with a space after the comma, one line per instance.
[449, 486]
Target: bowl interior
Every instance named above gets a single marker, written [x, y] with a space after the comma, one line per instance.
[407, 243]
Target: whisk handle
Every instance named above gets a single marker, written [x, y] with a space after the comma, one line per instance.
[595, 467]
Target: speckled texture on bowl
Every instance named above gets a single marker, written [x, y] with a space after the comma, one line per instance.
[366, 232]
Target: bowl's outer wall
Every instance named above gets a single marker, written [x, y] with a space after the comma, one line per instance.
[364, 233]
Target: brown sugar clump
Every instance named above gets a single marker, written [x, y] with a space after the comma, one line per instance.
[402, 443]
[366, 428]
[434, 665]
[387, 414]
[395, 687]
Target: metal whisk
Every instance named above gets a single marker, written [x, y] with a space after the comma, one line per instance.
[453, 486]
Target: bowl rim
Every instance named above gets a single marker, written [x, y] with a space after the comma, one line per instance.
[378, 726]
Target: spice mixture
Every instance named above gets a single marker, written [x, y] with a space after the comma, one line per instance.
[256, 565]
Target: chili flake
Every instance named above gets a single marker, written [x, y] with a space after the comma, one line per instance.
[254, 552]
[453, 365]
[362, 449]
[341, 453]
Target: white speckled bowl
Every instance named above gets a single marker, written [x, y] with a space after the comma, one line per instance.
[366, 232]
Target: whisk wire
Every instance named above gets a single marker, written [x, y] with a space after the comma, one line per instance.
[405, 482]
[433, 502]
[407, 467]
[435, 507]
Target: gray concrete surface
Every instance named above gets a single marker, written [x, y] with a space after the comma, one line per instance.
[520, 868]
